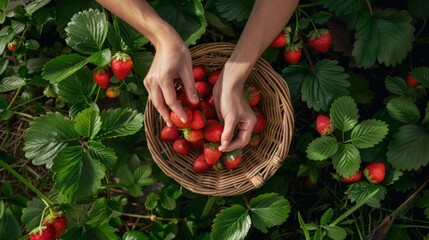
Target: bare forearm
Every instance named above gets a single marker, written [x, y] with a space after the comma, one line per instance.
[140, 15]
[267, 19]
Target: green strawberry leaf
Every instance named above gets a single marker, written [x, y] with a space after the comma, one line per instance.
[294, 75]
[142, 61]
[187, 17]
[76, 174]
[4, 62]
[268, 210]
[77, 88]
[322, 148]
[35, 5]
[120, 122]
[88, 123]
[403, 110]
[63, 66]
[396, 85]
[78, 107]
[359, 190]
[213, 19]
[101, 58]
[134, 235]
[346, 160]
[378, 38]
[131, 37]
[106, 155]
[327, 216]
[87, 31]
[408, 149]
[321, 87]
[134, 181]
[321, 17]
[369, 133]
[345, 7]
[104, 232]
[11, 83]
[46, 136]
[335, 232]
[101, 212]
[344, 113]
[232, 223]
[360, 90]
[238, 10]
[425, 120]
[422, 75]
[32, 214]
[151, 201]
[9, 225]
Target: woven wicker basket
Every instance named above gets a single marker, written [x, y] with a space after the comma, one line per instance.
[259, 163]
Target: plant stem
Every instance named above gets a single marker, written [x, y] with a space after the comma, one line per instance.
[14, 98]
[369, 7]
[309, 5]
[148, 217]
[26, 182]
[29, 101]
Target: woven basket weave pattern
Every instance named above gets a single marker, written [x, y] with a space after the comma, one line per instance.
[259, 163]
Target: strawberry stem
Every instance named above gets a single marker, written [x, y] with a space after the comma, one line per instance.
[309, 18]
[27, 183]
[371, 12]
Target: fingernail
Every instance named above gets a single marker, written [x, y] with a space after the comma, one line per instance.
[183, 120]
[195, 98]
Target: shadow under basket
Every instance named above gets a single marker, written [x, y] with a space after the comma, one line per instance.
[259, 163]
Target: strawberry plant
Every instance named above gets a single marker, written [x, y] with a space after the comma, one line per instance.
[74, 158]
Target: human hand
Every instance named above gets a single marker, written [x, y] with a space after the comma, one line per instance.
[172, 61]
[233, 109]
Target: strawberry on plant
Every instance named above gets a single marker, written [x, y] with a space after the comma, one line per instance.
[200, 165]
[354, 178]
[178, 122]
[411, 81]
[375, 172]
[113, 91]
[198, 120]
[199, 72]
[292, 55]
[324, 125]
[280, 40]
[121, 65]
[12, 46]
[261, 121]
[193, 135]
[212, 153]
[169, 134]
[232, 159]
[182, 146]
[46, 232]
[252, 95]
[101, 76]
[320, 40]
[203, 88]
[60, 224]
[213, 131]
[214, 76]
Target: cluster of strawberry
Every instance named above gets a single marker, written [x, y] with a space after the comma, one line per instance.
[120, 67]
[53, 227]
[203, 130]
[374, 172]
[319, 39]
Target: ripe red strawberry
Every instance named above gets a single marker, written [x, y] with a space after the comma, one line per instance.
[203, 88]
[121, 65]
[169, 134]
[255, 139]
[355, 178]
[176, 119]
[320, 40]
[113, 91]
[214, 76]
[261, 121]
[199, 72]
[182, 146]
[198, 119]
[280, 40]
[375, 172]
[60, 224]
[324, 125]
[292, 56]
[209, 110]
[12, 46]
[102, 77]
[183, 98]
[231, 159]
[46, 232]
[193, 135]
[252, 95]
[213, 131]
[198, 144]
[200, 164]
[212, 153]
[411, 81]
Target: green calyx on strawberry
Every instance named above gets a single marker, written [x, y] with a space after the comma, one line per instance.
[252, 95]
[45, 232]
[193, 135]
[320, 40]
[232, 159]
[375, 172]
[293, 53]
[354, 178]
[121, 65]
[101, 76]
[212, 153]
[324, 125]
